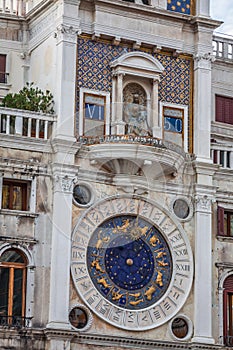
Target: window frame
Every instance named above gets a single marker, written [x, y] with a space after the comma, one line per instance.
[184, 110]
[24, 185]
[3, 74]
[81, 115]
[31, 181]
[12, 266]
[224, 105]
[227, 317]
[221, 212]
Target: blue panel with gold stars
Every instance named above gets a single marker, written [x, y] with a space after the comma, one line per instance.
[182, 6]
[129, 262]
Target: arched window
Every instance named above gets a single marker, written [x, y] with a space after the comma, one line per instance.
[228, 311]
[13, 265]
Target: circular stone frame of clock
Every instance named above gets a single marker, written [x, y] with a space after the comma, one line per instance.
[182, 261]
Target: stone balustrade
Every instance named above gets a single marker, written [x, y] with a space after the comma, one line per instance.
[26, 123]
[223, 48]
[222, 154]
[13, 7]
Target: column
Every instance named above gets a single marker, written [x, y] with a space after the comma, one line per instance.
[203, 269]
[154, 122]
[120, 125]
[202, 106]
[203, 8]
[65, 80]
[60, 250]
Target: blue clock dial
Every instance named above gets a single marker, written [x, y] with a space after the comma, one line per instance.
[129, 262]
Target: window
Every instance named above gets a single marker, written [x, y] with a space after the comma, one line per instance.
[12, 288]
[3, 69]
[228, 311]
[94, 118]
[15, 195]
[225, 222]
[174, 125]
[94, 113]
[224, 109]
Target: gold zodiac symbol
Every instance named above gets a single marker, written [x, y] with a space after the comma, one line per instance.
[149, 292]
[154, 240]
[159, 279]
[136, 302]
[160, 255]
[100, 242]
[116, 295]
[103, 282]
[162, 263]
[97, 266]
[123, 227]
[135, 295]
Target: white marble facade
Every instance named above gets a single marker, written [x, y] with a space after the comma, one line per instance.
[114, 138]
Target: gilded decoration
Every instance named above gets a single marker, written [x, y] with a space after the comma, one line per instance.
[94, 70]
[181, 6]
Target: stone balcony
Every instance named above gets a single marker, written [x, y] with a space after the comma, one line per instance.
[223, 48]
[13, 7]
[20, 128]
[118, 153]
[222, 144]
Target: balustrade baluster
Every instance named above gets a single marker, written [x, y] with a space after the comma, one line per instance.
[11, 6]
[8, 124]
[46, 130]
[37, 128]
[19, 125]
[225, 159]
[29, 127]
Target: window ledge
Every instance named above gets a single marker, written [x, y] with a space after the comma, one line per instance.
[225, 239]
[18, 213]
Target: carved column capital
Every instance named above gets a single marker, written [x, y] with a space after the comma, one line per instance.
[204, 203]
[66, 33]
[203, 60]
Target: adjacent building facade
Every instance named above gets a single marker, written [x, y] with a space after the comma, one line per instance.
[116, 210]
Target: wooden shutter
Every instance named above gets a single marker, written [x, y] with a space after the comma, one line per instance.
[224, 109]
[228, 283]
[221, 231]
[2, 68]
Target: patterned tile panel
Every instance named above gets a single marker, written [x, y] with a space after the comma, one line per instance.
[182, 6]
[94, 70]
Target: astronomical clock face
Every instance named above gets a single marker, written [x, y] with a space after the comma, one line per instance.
[131, 264]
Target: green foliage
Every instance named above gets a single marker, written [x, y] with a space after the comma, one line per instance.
[30, 98]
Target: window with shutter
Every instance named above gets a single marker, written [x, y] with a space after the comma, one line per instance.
[3, 69]
[225, 222]
[228, 311]
[224, 109]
